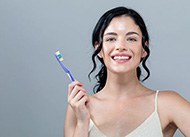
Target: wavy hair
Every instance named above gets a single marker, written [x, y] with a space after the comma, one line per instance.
[97, 37]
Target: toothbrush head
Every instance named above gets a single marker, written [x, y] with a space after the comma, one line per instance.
[59, 56]
[60, 60]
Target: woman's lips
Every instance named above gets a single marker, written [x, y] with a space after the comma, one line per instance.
[121, 58]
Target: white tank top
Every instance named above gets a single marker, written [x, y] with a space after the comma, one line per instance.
[151, 127]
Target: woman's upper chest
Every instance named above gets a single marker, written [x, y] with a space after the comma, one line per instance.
[120, 118]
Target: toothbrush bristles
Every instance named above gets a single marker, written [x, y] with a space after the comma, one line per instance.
[59, 56]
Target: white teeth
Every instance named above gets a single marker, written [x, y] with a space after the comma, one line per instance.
[120, 57]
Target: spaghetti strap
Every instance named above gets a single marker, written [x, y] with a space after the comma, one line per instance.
[156, 101]
[91, 124]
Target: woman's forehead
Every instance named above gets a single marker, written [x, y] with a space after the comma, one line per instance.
[122, 24]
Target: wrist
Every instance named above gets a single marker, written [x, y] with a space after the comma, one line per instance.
[81, 129]
[83, 124]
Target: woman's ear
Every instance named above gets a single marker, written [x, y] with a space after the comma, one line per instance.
[144, 53]
[96, 47]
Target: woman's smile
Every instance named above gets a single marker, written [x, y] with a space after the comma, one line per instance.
[121, 58]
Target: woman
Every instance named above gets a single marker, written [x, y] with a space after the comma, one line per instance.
[121, 105]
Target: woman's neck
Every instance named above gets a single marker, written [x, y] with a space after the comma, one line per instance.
[119, 86]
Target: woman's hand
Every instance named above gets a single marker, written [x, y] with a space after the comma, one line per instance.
[77, 116]
[77, 99]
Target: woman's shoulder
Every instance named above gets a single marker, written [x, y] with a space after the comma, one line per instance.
[96, 97]
[170, 98]
[168, 94]
[172, 104]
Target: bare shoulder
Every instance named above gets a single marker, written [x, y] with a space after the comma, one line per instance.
[93, 100]
[95, 97]
[171, 98]
[173, 108]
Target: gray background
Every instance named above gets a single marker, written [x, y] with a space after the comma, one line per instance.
[33, 88]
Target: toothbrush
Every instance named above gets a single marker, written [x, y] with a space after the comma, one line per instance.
[60, 60]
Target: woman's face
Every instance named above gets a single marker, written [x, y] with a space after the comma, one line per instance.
[122, 45]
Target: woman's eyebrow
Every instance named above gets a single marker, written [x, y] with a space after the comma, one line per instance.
[128, 33]
[110, 33]
[132, 32]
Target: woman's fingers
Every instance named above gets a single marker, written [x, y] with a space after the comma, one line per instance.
[72, 85]
[76, 98]
[76, 93]
[84, 99]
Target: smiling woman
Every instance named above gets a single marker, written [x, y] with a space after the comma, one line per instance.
[98, 34]
[121, 105]
[122, 42]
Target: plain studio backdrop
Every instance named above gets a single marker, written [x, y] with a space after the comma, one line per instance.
[33, 87]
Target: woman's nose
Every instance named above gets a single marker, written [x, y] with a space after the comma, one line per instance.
[121, 45]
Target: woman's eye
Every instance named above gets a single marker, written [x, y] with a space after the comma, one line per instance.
[110, 39]
[131, 39]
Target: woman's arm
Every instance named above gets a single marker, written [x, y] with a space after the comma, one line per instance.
[77, 115]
